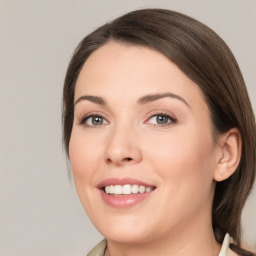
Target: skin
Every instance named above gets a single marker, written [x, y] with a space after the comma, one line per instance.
[180, 158]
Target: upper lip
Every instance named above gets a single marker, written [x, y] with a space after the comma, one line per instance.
[122, 181]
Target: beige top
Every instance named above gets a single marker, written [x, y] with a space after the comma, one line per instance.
[100, 248]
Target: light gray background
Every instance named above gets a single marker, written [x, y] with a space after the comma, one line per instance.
[39, 211]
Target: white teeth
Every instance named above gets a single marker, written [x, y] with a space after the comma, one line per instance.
[107, 189]
[142, 189]
[148, 189]
[111, 189]
[135, 189]
[127, 189]
[118, 190]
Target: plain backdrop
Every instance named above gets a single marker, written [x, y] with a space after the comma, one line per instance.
[40, 214]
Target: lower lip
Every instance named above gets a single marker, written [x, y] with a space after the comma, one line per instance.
[124, 201]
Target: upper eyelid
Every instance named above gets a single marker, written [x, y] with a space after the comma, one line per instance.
[161, 112]
[93, 113]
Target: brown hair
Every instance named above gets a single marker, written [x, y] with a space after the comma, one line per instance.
[205, 58]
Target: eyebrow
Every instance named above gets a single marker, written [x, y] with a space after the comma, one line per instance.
[141, 101]
[94, 99]
[153, 97]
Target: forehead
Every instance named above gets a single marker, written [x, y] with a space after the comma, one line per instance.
[121, 69]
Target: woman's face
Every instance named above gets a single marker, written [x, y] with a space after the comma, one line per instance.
[141, 124]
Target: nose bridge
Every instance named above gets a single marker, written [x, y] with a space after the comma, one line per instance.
[122, 147]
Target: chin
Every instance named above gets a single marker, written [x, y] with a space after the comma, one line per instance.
[124, 230]
[122, 236]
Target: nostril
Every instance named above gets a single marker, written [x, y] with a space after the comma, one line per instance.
[128, 159]
[109, 161]
[119, 162]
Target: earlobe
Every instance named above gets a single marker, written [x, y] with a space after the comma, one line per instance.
[230, 145]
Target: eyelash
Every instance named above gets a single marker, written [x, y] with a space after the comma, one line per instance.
[171, 119]
[91, 115]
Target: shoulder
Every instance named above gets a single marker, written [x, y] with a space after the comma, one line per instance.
[99, 249]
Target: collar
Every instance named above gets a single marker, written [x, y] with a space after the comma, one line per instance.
[225, 246]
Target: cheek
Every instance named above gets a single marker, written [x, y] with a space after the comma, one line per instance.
[84, 157]
[185, 162]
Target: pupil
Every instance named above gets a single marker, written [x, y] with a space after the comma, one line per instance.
[97, 120]
[162, 119]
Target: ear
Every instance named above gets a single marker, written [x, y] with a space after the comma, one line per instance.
[230, 145]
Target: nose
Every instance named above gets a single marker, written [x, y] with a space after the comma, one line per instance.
[123, 147]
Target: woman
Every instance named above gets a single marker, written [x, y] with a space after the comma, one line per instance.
[161, 136]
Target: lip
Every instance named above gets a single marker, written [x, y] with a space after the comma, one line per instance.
[124, 201]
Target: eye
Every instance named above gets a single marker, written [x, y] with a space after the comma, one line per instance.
[161, 120]
[93, 120]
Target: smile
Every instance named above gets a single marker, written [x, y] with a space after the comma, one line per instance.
[124, 192]
[127, 189]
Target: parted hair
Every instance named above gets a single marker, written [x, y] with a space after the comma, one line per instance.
[206, 59]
